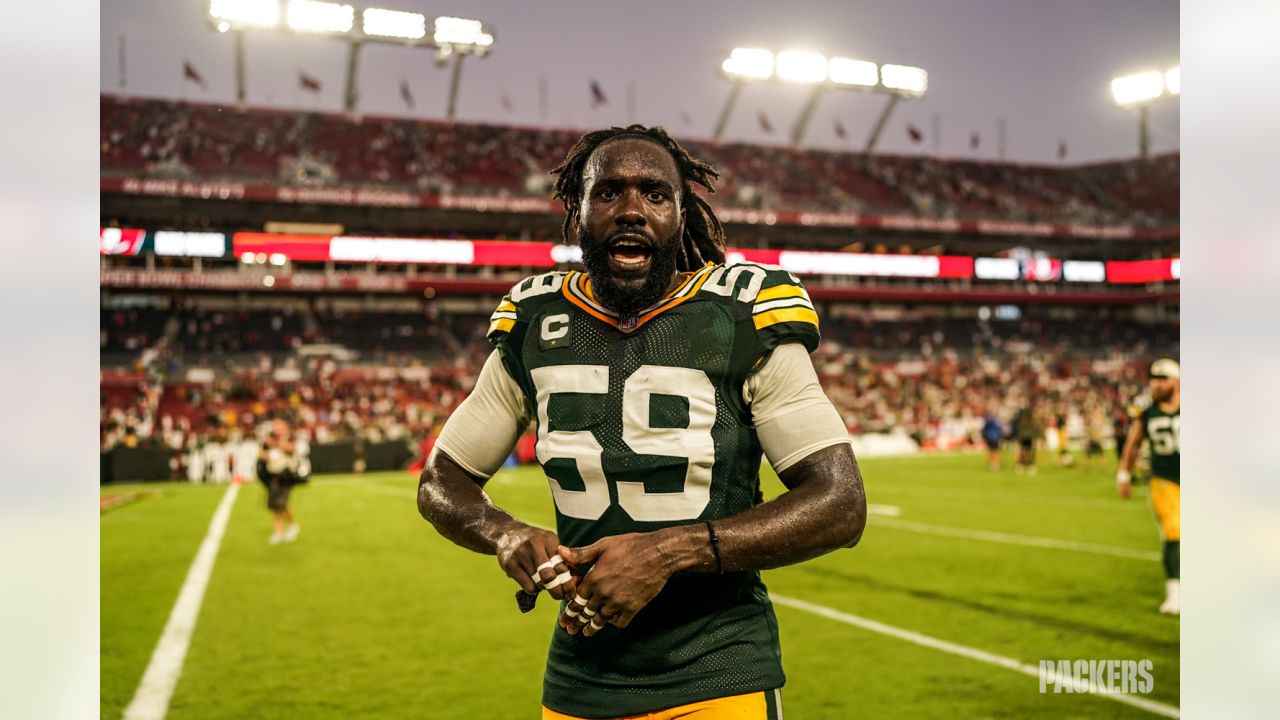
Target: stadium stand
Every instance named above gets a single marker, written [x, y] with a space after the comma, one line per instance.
[143, 138]
[932, 379]
[354, 352]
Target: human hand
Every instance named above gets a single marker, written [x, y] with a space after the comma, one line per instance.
[628, 573]
[1124, 483]
[525, 554]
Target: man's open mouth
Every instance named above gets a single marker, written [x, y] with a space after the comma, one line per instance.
[630, 254]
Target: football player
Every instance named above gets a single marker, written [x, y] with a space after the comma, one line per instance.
[1157, 422]
[278, 470]
[657, 379]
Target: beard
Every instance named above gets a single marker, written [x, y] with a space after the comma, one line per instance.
[625, 298]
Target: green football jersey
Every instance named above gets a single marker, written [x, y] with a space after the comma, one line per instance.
[641, 424]
[1162, 430]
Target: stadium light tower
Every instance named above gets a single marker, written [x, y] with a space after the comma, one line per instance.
[236, 16]
[899, 81]
[822, 74]
[452, 37]
[742, 66]
[459, 37]
[1142, 89]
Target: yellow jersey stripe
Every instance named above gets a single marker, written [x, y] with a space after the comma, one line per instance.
[506, 306]
[501, 325]
[780, 291]
[781, 315]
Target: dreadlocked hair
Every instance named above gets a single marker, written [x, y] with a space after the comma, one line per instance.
[703, 239]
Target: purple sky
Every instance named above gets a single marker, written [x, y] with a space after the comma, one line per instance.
[1043, 65]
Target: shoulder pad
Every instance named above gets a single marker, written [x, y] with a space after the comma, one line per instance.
[515, 303]
[1139, 405]
[783, 311]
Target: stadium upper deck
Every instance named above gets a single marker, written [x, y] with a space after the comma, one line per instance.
[160, 139]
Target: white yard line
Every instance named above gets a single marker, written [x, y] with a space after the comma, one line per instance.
[151, 700]
[963, 651]
[1039, 498]
[1012, 539]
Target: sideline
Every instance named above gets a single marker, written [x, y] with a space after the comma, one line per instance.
[151, 700]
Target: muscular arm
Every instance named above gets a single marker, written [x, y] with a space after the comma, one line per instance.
[451, 496]
[456, 505]
[1124, 474]
[824, 508]
[1132, 442]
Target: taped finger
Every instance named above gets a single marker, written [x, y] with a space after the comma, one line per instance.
[550, 564]
[559, 580]
[595, 626]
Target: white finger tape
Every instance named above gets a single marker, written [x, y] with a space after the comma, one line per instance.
[571, 612]
[554, 561]
[559, 580]
[579, 600]
[597, 623]
[588, 612]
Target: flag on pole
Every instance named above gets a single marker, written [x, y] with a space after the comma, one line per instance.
[598, 97]
[974, 141]
[840, 131]
[506, 102]
[308, 83]
[406, 94]
[190, 73]
[914, 133]
[1062, 149]
[765, 125]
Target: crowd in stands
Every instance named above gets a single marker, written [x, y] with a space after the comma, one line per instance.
[160, 138]
[932, 380]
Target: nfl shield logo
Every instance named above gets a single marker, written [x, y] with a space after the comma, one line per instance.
[627, 323]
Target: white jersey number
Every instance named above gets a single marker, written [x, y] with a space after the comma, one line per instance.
[1164, 431]
[694, 443]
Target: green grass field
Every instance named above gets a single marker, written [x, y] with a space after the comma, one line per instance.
[372, 615]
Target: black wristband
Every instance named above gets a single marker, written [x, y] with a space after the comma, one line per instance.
[715, 546]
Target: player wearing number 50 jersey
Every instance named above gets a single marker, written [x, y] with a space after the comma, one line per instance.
[1158, 423]
[656, 381]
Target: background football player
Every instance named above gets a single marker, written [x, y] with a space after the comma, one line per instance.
[1158, 423]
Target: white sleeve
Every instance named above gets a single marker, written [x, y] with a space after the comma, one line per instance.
[480, 434]
[793, 416]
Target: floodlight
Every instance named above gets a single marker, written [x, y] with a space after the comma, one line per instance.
[801, 66]
[313, 16]
[1137, 88]
[223, 26]
[394, 23]
[905, 78]
[257, 13]
[459, 31]
[1173, 80]
[844, 71]
[749, 63]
